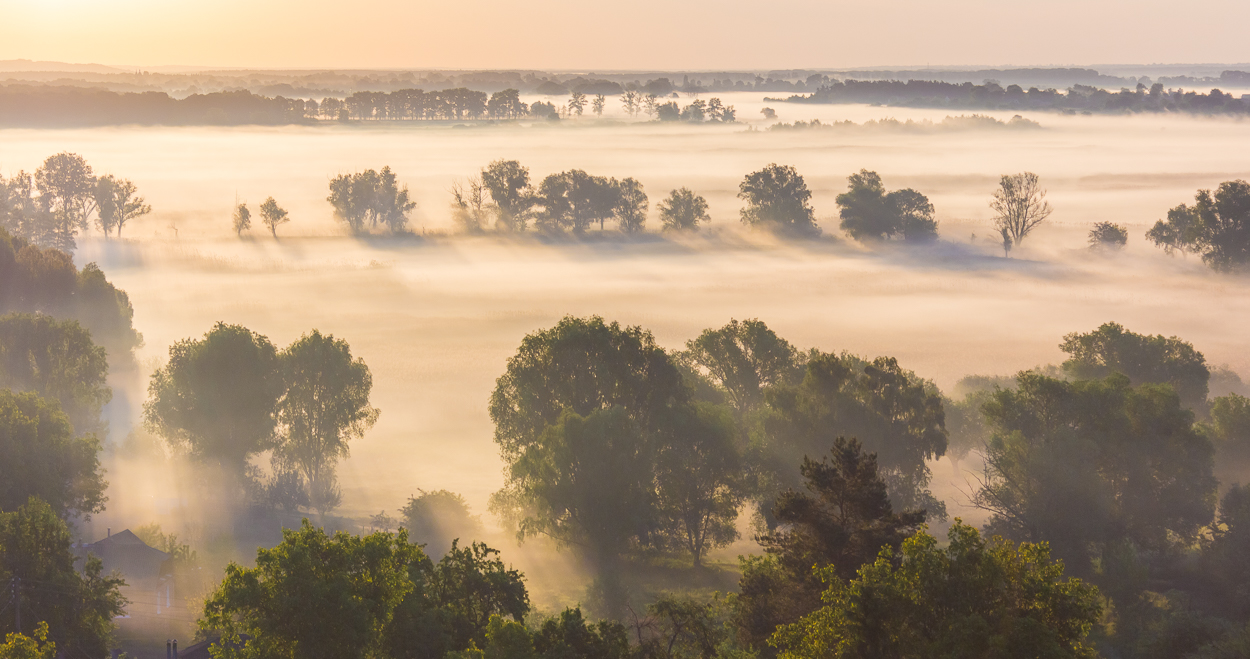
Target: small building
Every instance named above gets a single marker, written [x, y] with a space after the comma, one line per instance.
[148, 572]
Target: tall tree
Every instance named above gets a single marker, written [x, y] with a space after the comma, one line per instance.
[598, 104]
[972, 598]
[683, 210]
[271, 215]
[700, 480]
[217, 397]
[241, 220]
[577, 102]
[1088, 465]
[743, 358]
[66, 186]
[436, 519]
[509, 185]
[40, 457]
[1019, 205]
[632, 205]
[117, 203]
[57, 360]
[777, 197]
[325, 407]
[37, 564]
[1143, 358]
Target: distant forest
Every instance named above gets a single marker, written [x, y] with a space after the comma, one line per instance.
[991, 95]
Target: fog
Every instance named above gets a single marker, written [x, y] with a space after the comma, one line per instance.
[436, 316]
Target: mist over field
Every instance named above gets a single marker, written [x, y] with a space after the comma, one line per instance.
[436, 312]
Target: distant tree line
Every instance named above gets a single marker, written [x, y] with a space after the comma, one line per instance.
[991, 95]
[62, 198]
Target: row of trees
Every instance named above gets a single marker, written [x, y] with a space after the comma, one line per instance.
[61, 198]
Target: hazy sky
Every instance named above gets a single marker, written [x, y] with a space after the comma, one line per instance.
[590, 35]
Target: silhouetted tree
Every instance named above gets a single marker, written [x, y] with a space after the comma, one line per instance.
[506, 104]
[777, 197]
[117, 203]
[370, 197]
[66, 186]
[577, 103]
[325, 407]
[1217, 226]
[509, 185]
[743, 358]
[271, 215]
[437, 518]
[1019, 205]
[1108, 236]
[242, 219]
[468, 205]
[216, 398]
[869, 213]
[631, 205]
[683, 210]
[597, 104]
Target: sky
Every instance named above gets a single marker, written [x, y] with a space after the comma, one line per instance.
[636, 34]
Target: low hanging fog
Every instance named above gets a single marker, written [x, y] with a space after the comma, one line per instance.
[436, 316]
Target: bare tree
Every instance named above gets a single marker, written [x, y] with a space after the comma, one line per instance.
[468, 204]
[1019, 205]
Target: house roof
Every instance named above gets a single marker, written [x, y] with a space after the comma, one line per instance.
[127, 554]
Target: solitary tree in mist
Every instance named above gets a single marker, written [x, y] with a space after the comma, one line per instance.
[577, 103]
[1143, 358]
[983, 597]
[509, 185]
[57, 360]
[683, 210]
[631, 206]
[117, 204]
[1217, 226]
[272, 215]
[40, 456]
[700, 480]
[468, 205]
[743, 358]
[66, 192]
[1108, 236]
[241, 220]
[1089, 465]
[216, 397]
[777, 197]
[1019, 205]
[437, 518]
[325, 407]
[598, 104]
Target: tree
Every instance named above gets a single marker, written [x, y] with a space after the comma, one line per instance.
[915, 215]
[743, 358]
[1108, 236]
[696, 112]
[577, 103]
[66, 186]
[1216, 226]
[1226, 555]
[57, 360]
[506, 104]
[1089, 465]
[117, 203]
[863, 208]
[700, 481]
[1143, 358]
[35, 646]
[439, 518]
[667, 111]
[897, 416]
[631, 101]
[1019, 205]
[76, 609]
[777, 198]
[40, 457]
[325, 407]
[509, 185]
[468, 206]
[683, 210]
[583, 365]
[569, 636]
[597, 104]
[272, 215]
[313, 595]
[217, 397]
[586, 483]
[574, 200]
[241, 220]
[1229, 432]
[372, 198]
[632, 205]
[842, 521]
[974, 598]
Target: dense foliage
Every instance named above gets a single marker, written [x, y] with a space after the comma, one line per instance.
[1217, 227]
[40, 456]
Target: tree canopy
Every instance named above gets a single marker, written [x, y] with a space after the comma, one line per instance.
[371, 198]
[1143, 358]
[973, 598]
[40, 456]
[1217, 226]
[870, 213]
[683, 210]
[743, 358]
[777, 197]
[57, 360]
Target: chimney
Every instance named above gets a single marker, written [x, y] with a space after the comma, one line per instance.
[175, 648]
[110, 531]
[169, 651]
